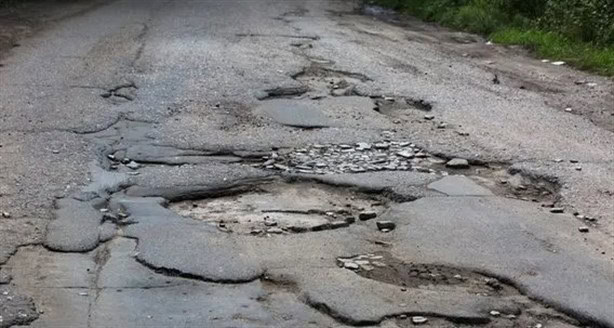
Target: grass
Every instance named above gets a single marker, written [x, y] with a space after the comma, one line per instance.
[505, 24]
[583, 55]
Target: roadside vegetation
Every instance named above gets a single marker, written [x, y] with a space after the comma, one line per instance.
[579, 32]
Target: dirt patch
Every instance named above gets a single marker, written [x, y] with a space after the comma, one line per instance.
[384, 268]
[282, 208]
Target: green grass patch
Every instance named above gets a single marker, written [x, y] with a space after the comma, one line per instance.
[556, 47]
[584, 43]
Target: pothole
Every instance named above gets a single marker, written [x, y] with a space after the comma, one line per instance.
[392, 154]
[283, 208]
[336, 82]
[382, 267]
[385, 155]
[400, 106]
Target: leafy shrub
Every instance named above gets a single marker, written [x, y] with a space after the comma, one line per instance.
[586, 20]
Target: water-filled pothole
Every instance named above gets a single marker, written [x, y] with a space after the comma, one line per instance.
[280, 208]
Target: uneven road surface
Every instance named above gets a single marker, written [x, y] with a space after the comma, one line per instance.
[269, 163]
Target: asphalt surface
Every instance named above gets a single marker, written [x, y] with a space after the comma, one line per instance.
[219, 163]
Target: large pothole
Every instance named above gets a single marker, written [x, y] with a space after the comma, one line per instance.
[383, 267]
[281, 208]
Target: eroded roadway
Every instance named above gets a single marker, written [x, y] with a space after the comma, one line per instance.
[283, 163]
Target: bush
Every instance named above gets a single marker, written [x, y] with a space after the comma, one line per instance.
[586, 20]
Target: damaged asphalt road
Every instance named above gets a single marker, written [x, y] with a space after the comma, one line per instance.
[284, 164]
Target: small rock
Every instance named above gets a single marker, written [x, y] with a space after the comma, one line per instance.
[367, 215]
[281, 167]
[568, 109]
[385, 225]
[339, 224]
[495, 313]
[6, 215]
[591, 84]
[406, 154]
[558, 63]
[83, 294]
[583, 229]
[133, 165]
[382, 145]
[363, 146]
[55, 151]
[545, 60]
[558, 160]
[270, 223]
[350, 219]
[442, 125]
[557, 210]
[429, 117]
[418, 320]
[351, 265]
[275, 230]
[578, 168]
[458, 163]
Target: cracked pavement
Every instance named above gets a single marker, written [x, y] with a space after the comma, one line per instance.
[276, 163]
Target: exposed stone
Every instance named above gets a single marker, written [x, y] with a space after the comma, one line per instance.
[418, 320]
[133, 165]
[275, 230]
[557, 210]
[351, 265]
[458, 163]
[583, 229]
[339, 224]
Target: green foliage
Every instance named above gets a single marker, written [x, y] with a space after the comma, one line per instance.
[552, 45]
[580, 32]
[587, 20]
